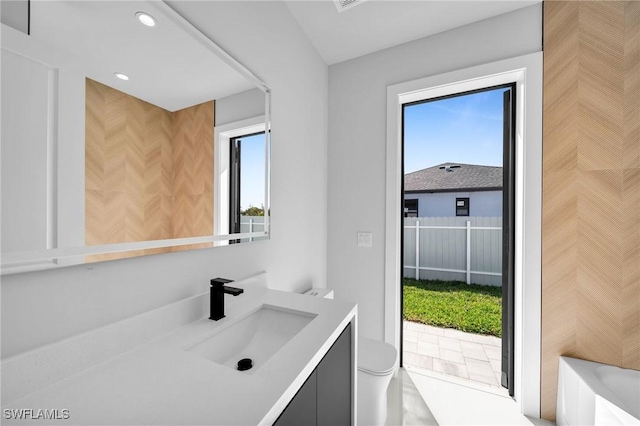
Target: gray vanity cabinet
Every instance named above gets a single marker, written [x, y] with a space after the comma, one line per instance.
[334, 383]
[325, 398]
[301, 411]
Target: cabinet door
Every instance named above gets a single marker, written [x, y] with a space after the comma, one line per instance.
[301, 411]
[334, 383]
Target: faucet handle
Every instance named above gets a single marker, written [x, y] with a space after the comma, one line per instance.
[219, 282]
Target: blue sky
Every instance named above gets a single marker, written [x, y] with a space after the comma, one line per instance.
[464, 129]
[252, 172]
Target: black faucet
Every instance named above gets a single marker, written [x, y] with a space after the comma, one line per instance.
[218, 289]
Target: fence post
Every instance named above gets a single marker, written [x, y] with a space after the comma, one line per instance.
[468, 252]
[250, 228]
[417, 249]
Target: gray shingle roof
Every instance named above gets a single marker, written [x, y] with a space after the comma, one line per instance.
[470, 177]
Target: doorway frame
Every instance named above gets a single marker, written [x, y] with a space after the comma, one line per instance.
[526, 72]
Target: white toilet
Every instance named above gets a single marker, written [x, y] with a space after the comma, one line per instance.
[376, 364]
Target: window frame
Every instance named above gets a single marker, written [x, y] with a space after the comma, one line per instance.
[407, 211]
[467, 205]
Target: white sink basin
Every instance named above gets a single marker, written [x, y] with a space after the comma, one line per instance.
[257, 336]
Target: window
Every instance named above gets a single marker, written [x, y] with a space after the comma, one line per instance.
[462, 206]
[246, 183]
[410, 208]
[240, 187]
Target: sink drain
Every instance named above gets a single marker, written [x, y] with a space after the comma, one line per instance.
[245, 364]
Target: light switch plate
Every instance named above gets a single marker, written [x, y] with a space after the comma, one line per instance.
[364, 239]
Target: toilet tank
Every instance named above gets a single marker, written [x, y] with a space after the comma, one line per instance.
[320, 292]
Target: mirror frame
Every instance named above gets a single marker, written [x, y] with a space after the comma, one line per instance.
[52, 258]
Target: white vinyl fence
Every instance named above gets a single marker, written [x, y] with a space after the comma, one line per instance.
[251, 224]
[465, 249]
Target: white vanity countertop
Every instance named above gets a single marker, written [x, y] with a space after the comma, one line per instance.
[160, 383]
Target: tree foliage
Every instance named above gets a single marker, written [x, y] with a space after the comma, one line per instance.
[253, 211]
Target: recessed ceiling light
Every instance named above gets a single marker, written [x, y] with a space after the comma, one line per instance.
[146, 19]
[121, 76]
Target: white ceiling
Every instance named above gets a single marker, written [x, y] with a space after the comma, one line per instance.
[166, 65]
[170, 69]
[378, 24]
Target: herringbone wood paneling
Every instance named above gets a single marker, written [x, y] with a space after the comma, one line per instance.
[599, 326]
[158, 153]
[143, 166]
[193, 170]
[559, 242]
[591, 187]
[631, 270]
[94, 133]
[632, 86]
[631, 184]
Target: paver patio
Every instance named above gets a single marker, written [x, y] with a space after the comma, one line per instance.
[469, 356]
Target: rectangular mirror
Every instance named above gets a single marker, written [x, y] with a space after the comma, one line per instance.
[125, 132]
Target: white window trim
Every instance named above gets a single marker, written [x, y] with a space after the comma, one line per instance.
[526, 72]
[223, 135]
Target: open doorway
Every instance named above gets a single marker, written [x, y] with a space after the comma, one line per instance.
[458, 236]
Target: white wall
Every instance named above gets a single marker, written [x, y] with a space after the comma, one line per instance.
[443, 204]
[357, 142]
[43, 307]
[15, 13]
[247, 104]
[26, 139]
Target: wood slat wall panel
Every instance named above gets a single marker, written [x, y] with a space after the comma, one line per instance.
[148, 171]
[591, 187]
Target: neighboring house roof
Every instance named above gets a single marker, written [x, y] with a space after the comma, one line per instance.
[449, 177]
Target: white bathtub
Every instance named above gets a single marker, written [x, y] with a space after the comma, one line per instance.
[590, 393]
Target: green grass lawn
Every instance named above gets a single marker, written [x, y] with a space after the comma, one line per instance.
[454, 304]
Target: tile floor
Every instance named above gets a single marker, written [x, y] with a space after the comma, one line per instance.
[405, 405]
[428, 398]
[468, 356]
